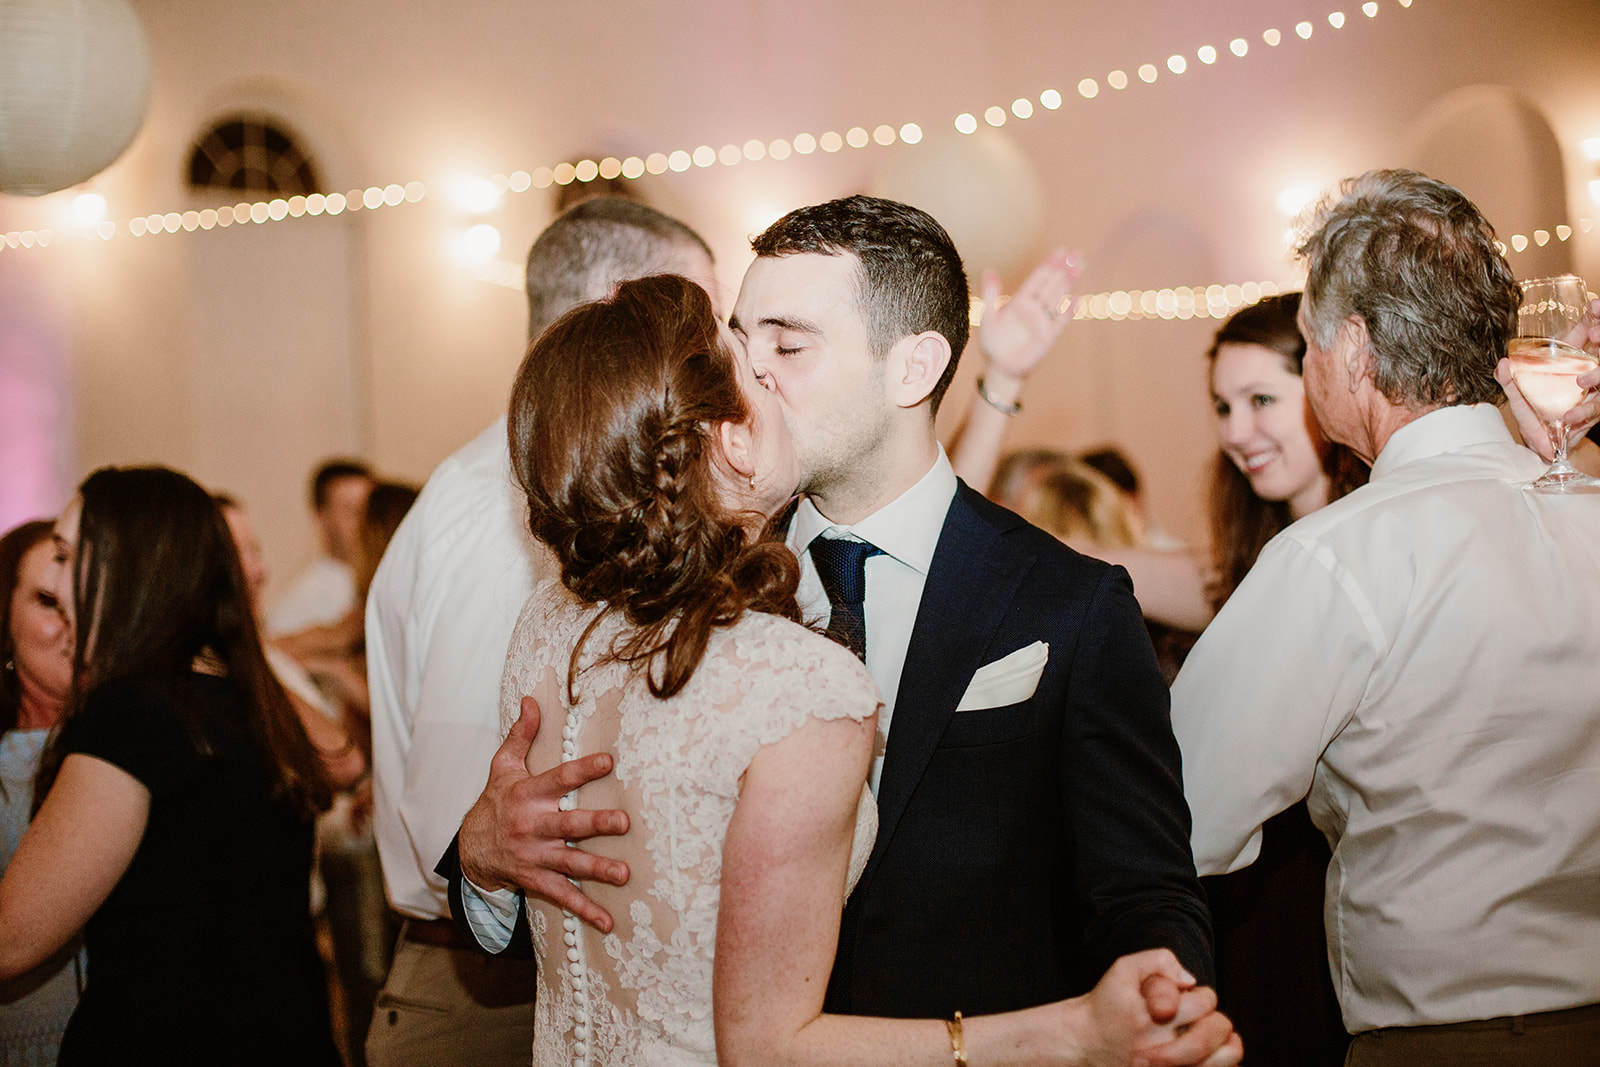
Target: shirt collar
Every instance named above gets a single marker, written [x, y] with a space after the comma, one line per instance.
[906, 528]
[1447, 429]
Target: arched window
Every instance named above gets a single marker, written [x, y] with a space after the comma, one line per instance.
[254, 154]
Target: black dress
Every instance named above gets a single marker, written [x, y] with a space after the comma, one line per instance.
[1272, 953]
[203, 953]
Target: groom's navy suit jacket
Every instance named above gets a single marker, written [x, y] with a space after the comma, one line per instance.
[1021, 849]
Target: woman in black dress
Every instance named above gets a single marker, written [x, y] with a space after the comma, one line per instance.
[175, 826]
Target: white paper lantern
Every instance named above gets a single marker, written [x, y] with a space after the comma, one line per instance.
[74, 78]
[982, 187]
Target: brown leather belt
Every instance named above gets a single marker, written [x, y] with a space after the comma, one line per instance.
[440, 933]
[1517, 1024]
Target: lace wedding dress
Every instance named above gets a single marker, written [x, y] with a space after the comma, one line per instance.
[641, 995]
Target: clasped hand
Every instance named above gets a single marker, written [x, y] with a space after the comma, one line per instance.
[1148, 1011]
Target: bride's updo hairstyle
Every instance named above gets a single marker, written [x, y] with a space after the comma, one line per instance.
[613, 430]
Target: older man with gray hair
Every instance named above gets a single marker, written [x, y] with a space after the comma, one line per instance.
[1421, 659]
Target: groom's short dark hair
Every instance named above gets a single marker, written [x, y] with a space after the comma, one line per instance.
[911, 278]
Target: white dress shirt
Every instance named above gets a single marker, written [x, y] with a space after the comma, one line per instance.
[320, 595]
[1422, 658]
[906, 530]
[439, 620]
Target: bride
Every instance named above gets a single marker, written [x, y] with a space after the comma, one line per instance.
[652, 458]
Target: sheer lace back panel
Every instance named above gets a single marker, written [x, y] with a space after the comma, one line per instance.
[642, 994]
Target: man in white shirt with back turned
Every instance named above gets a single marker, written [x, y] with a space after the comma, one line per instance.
[439, 619]
[1422, 659]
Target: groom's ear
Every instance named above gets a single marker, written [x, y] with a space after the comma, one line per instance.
[914, 367]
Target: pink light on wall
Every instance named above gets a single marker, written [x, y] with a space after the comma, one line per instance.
[34, 387]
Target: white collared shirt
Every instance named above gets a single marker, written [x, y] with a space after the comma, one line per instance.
[907, 531]
[439, 619]
[320, 595]
[1421, 657]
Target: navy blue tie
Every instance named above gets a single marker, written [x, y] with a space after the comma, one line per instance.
[842, 566]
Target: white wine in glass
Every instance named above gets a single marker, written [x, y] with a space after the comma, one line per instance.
[1545, 364]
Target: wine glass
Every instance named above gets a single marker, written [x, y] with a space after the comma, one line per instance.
[1547, 355]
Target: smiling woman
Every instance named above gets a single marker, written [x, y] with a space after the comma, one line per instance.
[1273, 466]
[1263, 426]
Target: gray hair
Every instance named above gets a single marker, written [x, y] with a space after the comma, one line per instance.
[587, 250]
[1417, 261]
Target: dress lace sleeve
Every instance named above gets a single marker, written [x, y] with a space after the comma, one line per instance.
[768, 678]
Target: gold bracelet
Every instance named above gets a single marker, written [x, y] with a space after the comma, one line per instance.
[958, 1044]
[1008, 410]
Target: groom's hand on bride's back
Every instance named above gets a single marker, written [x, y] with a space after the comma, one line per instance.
[516, 834]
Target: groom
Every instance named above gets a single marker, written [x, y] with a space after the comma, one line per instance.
[1032, 821]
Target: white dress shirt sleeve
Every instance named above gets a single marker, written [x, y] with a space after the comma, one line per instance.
[1274, 677]
[320, 595]
[439, 619]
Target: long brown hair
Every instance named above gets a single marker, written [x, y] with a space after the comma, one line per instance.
[385, 509]
[157, 582]
[613, 425]
[1241, 522]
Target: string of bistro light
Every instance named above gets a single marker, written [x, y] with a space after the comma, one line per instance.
[1209, 301]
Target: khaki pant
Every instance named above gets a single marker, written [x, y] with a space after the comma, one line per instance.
[1568, 1038]
[443, 1006]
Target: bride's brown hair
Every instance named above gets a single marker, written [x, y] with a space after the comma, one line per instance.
[613, 430]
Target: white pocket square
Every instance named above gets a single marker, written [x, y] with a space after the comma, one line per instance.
[1007, 680]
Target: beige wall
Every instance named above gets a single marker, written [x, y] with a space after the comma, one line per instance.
[244, 354]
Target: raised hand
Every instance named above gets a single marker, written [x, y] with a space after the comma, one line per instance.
[516, 833]
[1016, 335]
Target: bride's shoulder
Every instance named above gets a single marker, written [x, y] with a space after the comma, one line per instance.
[551, 617]
[792, 659]
[549, 605]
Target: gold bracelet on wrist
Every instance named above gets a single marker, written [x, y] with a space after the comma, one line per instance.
[958, 1044]
[1013, 408]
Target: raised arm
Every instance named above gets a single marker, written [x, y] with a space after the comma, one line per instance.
[1014, 338]
[784, 863]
